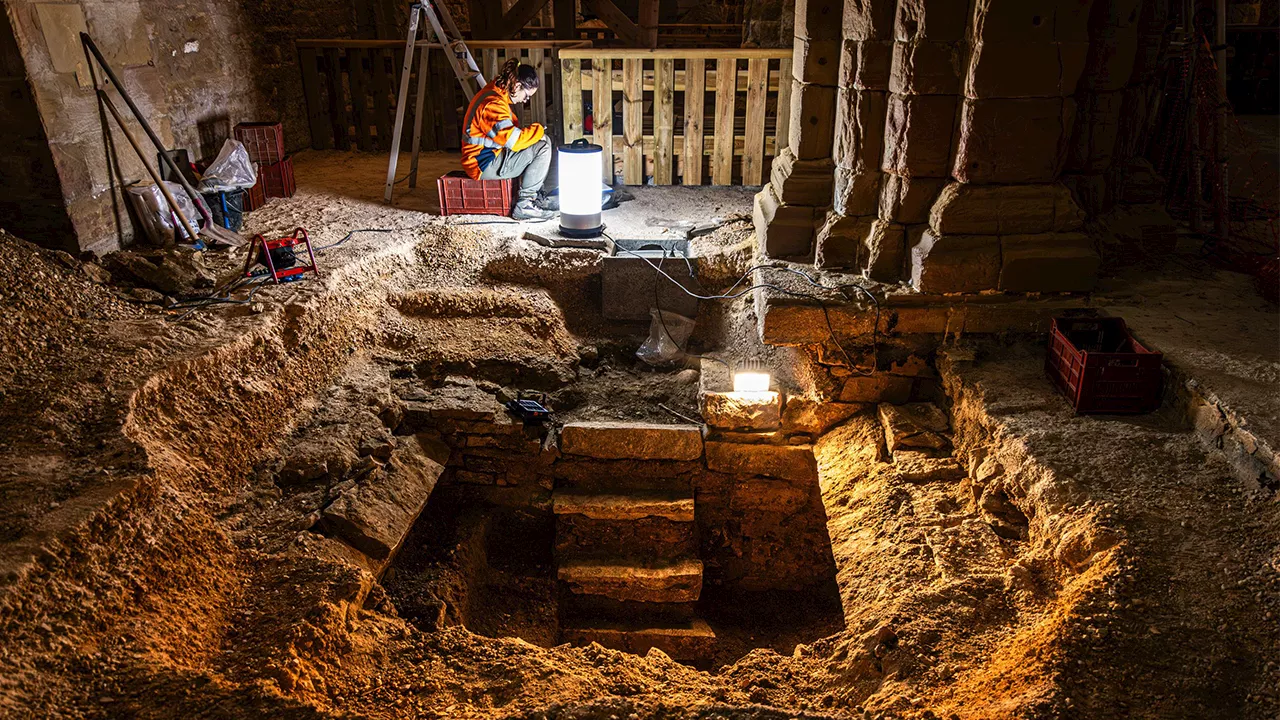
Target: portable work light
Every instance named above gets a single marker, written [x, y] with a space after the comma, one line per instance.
[581, 166]
[750, 376]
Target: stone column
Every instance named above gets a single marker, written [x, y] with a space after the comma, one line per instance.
[1005, 222]
[800, 183]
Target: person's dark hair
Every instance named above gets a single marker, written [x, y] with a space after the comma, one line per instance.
[513, 72]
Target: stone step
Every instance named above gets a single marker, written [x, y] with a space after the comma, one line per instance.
[574, 608]
[676, 582]
[669, 506]
[655, 539]
[618, 440]
[625, 477]
[690, 642]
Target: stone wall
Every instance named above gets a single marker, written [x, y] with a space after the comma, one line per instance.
[195, 67]
[936, 154]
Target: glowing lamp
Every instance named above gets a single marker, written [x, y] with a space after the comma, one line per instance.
[750, 377]
[581, 167]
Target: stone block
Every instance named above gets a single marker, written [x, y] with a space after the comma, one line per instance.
[963, 209]
[878, 388]
[631, 441]
[692, 641]
[1025, 21]
[886, 251]
[675, 583]
[856, 192]
[913, 425]
[813, 120]
[935, 20]
[841, 242]
[375, 515]
[923, 67]
[818, 19]
[1013, 140]
[859, 133]
[914, 467]
[742, 411]
[802, 182]
[623, 508]
[802, 415]
[868, 20]
[955, 263]
[658, 539]
[1110, 61]
[816, 61]
[783, 231]
[906, 199]
[787, 462]
[1016, 69]
[917, 135]
[1048, 262]
[758, 494]
[866, 64]
[1098, 122]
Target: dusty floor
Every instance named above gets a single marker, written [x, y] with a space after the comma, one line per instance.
[1093, 567]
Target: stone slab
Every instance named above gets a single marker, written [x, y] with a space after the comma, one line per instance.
[965, 209]
[789, 462]
[955, 263]
[623, 507]
[691, 642]
[678, 582]
[631, 441]
[742, 411]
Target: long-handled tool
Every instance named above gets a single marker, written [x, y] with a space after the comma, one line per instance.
[212, 230]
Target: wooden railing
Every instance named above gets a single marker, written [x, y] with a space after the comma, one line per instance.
[685, 116]
[670, 35]
[350, 88]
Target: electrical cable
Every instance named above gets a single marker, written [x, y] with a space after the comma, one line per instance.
[730, 294]
[350, 234]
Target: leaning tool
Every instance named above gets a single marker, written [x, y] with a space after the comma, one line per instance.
[215, 234]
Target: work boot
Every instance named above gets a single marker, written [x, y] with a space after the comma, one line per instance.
[548, 202]
[527, 210]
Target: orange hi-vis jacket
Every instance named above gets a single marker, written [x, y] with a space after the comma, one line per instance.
[489, 127]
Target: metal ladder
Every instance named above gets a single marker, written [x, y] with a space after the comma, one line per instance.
[460, 59]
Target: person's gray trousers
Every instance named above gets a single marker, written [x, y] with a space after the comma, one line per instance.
[530, 165]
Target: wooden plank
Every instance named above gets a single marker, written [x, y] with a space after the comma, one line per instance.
[783, 113]
[753, 158]
[338, 113]
[628, 32]
[317, 113]
[382, 97]
[694, 94]
[490, 61]
[664, 120]
[473, 44]
[710, 80]
[587, 53]
[632, 123]
[451, 99]
[648, 23]
[359, 97]
[571, 79]
[538, 104]
[555, 120]
[726, 89]
[602, 109]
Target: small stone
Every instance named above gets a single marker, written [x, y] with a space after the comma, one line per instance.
[741, 411]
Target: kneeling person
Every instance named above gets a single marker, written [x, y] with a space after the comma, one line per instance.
[495, 148]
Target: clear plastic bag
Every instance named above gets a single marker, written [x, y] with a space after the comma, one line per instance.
[668, 332]
[231, 170]
[158, 221]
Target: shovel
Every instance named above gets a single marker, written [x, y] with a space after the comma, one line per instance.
[215, 234]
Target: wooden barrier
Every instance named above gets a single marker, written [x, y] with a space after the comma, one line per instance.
[665, 101]
[670, 35]
[350, 88]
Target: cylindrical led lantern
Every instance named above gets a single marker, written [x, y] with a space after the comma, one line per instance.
[581, 166]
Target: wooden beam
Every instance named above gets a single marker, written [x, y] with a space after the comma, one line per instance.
[676, 53]
[514, 20]
[694, 93]
[628, 32]
[317, 113]
[602, 113]
[565, 13]
[753, 157]
[632, 123]
[649, 23]
[664, 79]
[726, 90]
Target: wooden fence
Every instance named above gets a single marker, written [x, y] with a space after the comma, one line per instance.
[350, 88]
[684, 116]
[670, 35]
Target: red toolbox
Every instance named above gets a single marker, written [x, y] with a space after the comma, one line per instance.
[264, 141]
[1098, 365]
[277, 180]
[460, 195]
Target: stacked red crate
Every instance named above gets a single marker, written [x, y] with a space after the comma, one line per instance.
[265, 143]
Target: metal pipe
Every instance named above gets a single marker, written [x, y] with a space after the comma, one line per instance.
[155, 175]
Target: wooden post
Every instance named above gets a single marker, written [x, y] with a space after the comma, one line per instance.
[632, 121]
[381, 98]
[726, 88]
[566, 19]
[753, 143]
[664, 80]
[783, 112]
[649, 23]
[337, 99]
[602, 109]
[538, 105]
[695, 79]
[571, 78]
[321, 133]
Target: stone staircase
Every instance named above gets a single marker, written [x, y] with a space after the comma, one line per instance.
[626, 547]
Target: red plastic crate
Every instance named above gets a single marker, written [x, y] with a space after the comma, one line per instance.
[256, 196]
[277, 179]
[1098, 365]
[264, 141]
[460, 195]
